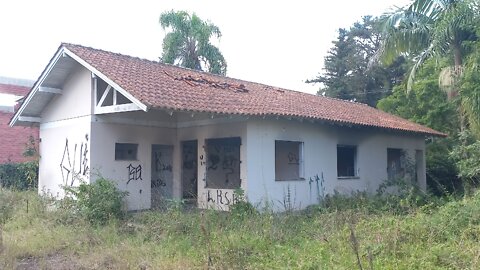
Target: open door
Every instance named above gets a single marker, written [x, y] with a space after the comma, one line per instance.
[162, 174]
[189, 170]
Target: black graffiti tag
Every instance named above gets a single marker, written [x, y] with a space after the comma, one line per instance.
[70, 172]
[134, 173]
[221, 197]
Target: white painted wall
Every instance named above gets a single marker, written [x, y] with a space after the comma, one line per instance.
[65, 134]
[75, 100]
[320, 158]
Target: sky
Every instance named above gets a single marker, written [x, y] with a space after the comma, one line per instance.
[279, 43]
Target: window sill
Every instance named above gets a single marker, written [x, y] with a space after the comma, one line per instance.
[288, 180]
[347, 177]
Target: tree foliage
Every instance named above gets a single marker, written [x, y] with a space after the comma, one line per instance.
[428, 28]
[427, 104]
[187, 44]
[346, 73]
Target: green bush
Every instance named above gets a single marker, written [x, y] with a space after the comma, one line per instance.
[98, 202]
[19, 176]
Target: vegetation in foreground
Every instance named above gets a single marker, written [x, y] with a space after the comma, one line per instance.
[406, 232]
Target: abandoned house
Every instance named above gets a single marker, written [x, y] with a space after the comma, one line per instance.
[14, 141]
[161, 132]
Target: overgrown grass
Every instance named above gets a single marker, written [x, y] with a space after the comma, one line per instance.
[435, 235]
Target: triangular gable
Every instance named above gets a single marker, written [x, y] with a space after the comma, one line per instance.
[110, 100]
[43, 91]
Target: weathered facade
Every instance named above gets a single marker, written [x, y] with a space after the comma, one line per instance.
[162, 132]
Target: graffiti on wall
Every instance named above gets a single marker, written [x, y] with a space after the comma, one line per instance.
[134, 173]
[74, 166]
[221, 197]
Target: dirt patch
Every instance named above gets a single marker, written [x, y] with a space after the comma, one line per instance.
[56, 261]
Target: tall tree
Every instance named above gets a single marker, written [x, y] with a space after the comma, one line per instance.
[346, 74]
[427, 28]
[188, 42]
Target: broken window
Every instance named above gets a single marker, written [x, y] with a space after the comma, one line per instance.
[126, 151]
[395, 163]
[346, 161]
[288, 160]
[223, 163]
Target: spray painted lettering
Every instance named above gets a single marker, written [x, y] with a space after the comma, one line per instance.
[134, 173]
[70, 169]
[221, 197]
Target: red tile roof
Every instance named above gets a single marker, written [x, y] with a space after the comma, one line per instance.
[163, 86]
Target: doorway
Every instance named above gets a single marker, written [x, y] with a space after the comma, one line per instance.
[395, 164]
[162, 174]
[189, 170]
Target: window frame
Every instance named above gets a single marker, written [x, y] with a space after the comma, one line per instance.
[117, 156]
[301, 161]
[355, 161]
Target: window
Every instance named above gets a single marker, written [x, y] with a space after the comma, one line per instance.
[223, 163]
[346, 161]
[126, 151]
[288, 160]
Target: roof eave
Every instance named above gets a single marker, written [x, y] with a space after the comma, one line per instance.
[36, 86]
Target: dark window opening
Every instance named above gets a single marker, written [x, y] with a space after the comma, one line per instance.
[126, 151]
[346, 160]
[223, 163]
[288, 160]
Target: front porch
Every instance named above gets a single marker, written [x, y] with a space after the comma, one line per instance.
[158, 156]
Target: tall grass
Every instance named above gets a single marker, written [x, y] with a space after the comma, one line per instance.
[345, 233]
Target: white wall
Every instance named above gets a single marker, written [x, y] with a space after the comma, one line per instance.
[75, 100]
[65, 136]
[320, 159]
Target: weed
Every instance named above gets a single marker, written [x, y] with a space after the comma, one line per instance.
[97, 202]
[343, 234]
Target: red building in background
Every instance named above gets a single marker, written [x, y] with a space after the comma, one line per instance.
[13, 140]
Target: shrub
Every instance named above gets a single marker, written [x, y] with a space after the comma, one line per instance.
[19, 176]
[98, 202]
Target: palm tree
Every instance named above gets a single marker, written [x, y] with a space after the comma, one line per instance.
[430, 28]
[188, 43]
